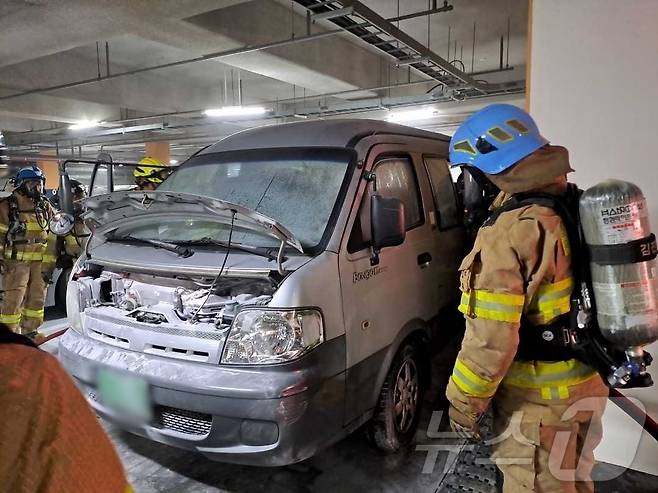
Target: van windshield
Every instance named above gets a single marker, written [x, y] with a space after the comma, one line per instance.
[298, 188]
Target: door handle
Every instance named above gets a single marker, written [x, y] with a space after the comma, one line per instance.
[424, 260]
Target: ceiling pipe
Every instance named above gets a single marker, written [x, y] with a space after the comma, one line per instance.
[358, 8]
[361, 106]
[432, 11]
[198, 112]
[202, 58]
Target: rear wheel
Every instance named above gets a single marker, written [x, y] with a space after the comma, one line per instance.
[396, 417]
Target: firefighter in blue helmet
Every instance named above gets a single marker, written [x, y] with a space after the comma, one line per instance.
[516, 283]
[24, 239]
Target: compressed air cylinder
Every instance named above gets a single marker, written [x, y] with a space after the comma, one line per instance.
[615, 223]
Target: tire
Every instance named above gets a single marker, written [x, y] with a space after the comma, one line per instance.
[400, 400]
[60, 290]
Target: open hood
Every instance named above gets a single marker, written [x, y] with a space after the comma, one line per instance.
[105, 213]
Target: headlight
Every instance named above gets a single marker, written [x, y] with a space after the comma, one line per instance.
[272, 336]
[73, 306]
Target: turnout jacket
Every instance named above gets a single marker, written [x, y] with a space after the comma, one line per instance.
[519, 268]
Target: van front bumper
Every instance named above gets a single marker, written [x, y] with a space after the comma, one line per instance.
[267, 415]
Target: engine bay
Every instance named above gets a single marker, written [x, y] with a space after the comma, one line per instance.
[158, 300]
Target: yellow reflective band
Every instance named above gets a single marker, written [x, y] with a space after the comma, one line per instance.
[32, 313]
[544, 374]
[48, 259]
[471, 383]
[554, 393]
[24, 256]
[492, 306]
[11, 319]
[4, 228]
[71, 240]
[35, 226]
[551, 301]
[557, 287]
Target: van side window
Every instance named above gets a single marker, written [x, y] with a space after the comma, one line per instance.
[443, 190]
[395, 179]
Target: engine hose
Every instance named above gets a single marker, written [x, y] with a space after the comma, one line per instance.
[637, 414]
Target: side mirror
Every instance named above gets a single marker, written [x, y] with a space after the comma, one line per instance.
[387, 222]
[62, 224]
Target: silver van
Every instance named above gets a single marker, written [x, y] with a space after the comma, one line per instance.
[279, 290]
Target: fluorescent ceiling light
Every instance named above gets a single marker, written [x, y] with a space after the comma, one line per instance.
[412, 115]
[173, 161]
[236, 111]
[82, 124]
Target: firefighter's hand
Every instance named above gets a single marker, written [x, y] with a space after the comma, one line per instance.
[47, 277]
[465, 425]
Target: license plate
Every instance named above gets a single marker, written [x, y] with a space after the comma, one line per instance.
[125, 394]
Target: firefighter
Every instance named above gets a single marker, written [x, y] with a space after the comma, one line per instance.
[50, 439]
[516, 279]
[150, 173]
[75, 241]
[27, 265]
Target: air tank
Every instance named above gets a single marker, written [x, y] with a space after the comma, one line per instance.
[624, 277]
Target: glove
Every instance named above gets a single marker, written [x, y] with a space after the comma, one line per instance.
[47, 277]
[467, 426]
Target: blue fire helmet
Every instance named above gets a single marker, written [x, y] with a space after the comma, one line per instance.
[28, 174]
[495, 138]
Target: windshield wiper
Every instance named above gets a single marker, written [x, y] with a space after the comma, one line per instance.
[261, 251]
[172, 247]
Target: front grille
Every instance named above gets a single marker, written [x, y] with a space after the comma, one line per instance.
[182, 420]
[109, 338]
[175, 419]
[95, 319]
[175, 352]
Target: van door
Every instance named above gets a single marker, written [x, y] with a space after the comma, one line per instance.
[446, 219]
[112, 177]
[379, 300]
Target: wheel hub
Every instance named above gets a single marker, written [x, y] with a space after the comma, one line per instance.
[405, 398]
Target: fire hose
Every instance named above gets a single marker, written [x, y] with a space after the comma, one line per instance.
[50, 337]
[637, 414]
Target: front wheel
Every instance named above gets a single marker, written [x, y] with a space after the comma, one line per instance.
[396, 417]
[60, 290]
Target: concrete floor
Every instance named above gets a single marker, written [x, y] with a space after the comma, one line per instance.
[351, 465]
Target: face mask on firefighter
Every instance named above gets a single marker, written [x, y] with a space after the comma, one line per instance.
[477, 194]
[33, 189]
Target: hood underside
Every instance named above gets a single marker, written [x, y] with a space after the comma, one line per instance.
[105, 213]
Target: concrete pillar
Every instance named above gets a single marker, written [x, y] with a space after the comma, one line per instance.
[158, 150]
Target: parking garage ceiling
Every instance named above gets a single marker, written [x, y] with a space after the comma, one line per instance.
[64, 61]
